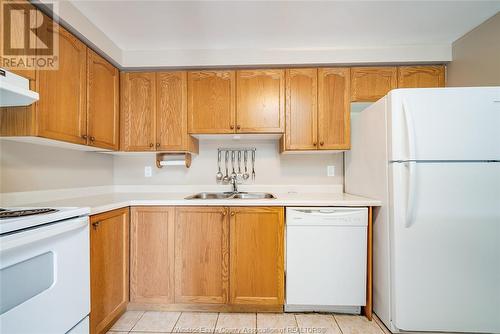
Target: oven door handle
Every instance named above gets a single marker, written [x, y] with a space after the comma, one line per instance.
[41, 233]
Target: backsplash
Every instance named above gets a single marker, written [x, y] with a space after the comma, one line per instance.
[271, 167]
[30, 167]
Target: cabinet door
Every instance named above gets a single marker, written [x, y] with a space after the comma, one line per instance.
[301, 109]
[333, 109]
[138, 111]
[421, 76]
[201, 255]
[211, 101]
[109, 258]
[257, 261]
[62, 106]
[371, 83]
[152, 255]
[171, 111]
[102, 102]
[260, 100]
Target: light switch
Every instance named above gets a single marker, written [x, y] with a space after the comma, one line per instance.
[148, 172]
[330, 170]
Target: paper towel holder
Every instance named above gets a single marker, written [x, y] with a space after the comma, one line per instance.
[173, 159]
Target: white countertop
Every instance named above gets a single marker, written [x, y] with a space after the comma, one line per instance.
[115, 200]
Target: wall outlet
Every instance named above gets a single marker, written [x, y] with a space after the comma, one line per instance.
[330, 170]
[148, 171]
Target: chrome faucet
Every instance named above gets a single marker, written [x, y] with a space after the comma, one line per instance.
[233, 180]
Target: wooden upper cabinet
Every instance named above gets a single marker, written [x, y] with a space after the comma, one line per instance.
[260, 100]
[62, 108]
[257, 255]
[103, 102]
[138, 111]
[17, 33]
[371, 83]
[152, 255]
[334, 108]
[109, 275]
[301, 109]
[211, 101]
[421, 76]
[201, 255]
[171, 113]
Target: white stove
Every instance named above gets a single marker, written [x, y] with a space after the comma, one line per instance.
[44, 270]
[19, 218]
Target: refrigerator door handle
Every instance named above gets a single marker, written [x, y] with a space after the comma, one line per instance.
[410, 131]
[410, 198]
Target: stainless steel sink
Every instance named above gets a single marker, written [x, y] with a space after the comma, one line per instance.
[252, 196]
[206, 195]
[231, 195]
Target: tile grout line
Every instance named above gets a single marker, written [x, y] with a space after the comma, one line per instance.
[338, 325]
[216, 322]
[380, 324]
[176, 321]
[131, 329]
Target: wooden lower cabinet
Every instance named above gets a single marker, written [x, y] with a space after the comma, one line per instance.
[109, 275]
[207, 258]
[257, 255]
[201, 255]
[152, 255]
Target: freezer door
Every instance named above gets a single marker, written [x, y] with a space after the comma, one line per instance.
[444, 124]
[445, 246]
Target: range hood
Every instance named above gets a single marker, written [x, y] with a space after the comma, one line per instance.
[15, 90]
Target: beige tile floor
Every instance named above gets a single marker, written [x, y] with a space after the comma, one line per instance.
[138, 322]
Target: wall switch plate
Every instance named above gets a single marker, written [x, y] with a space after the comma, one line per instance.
[330, 170]
[148, 171]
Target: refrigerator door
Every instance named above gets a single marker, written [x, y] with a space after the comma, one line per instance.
[444, 124]
[445, 246]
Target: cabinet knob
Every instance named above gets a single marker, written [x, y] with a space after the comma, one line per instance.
[151, 145]
[84, 136]
[96, 225]
[321, 143]
[157, 144]
[232, 213]
[231, 126]
[92, 138]
[224, 213]
[238, 127]
[314, 143]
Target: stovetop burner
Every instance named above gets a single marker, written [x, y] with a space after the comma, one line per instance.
[27, 212]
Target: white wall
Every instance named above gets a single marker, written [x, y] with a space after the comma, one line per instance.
[29, 167]
[476, 56]
[271, 167]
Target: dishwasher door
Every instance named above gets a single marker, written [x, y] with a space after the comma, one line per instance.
[326, 259]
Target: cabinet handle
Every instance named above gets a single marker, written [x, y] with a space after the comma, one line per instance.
[151, 145]
[321, 143]
[231, 126]
[84, 137]
[96, 225]
[157, 144]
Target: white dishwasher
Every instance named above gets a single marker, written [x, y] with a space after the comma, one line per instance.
[326, 259]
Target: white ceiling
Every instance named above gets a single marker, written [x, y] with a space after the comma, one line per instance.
[174, 30]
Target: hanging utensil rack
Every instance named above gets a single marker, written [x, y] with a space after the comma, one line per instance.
[230, 160]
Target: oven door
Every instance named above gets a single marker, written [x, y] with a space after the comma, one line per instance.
[44, 278]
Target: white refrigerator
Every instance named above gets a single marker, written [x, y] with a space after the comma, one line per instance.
[433, 157]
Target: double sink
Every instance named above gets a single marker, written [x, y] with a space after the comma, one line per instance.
[232, 195]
